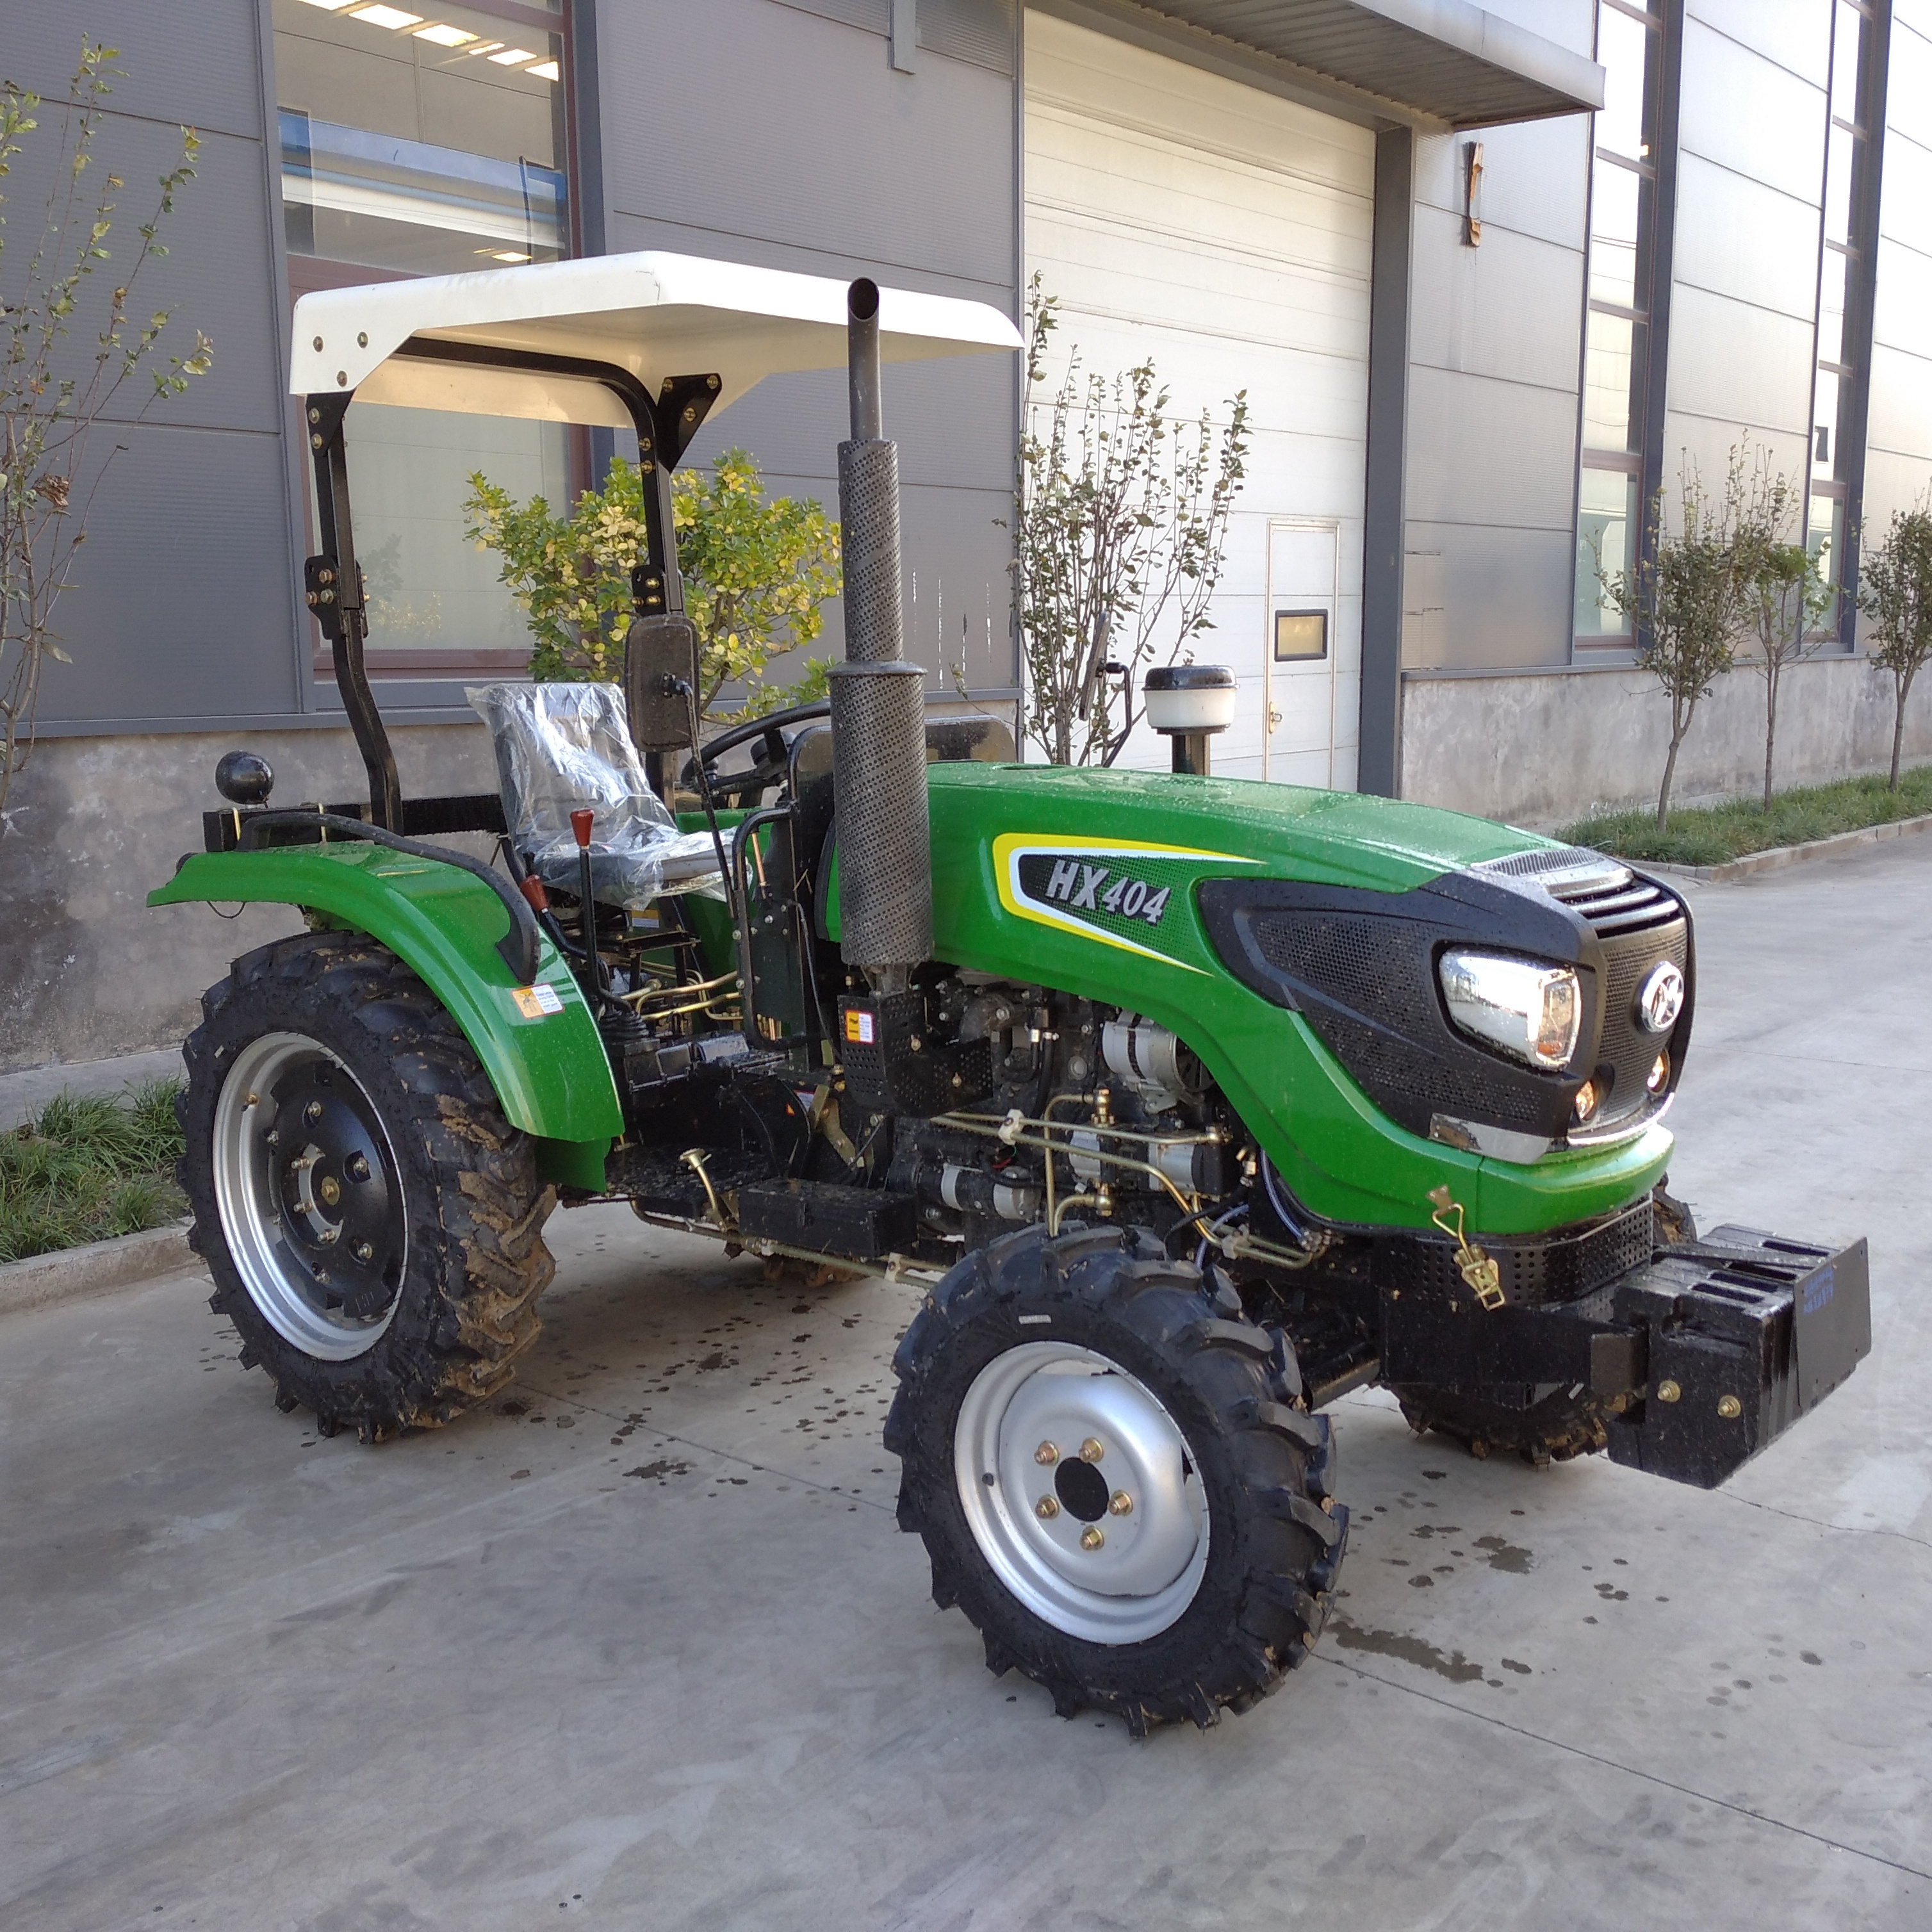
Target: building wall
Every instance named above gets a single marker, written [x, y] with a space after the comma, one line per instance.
[1494, 370]
[182, 609]
[1546, 750]
[790, 141]
[1750, 184]
[89, 970]
[754, 130]
[1898, 454]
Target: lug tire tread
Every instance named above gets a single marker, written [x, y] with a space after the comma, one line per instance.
[477, 1260]
[1278, 1536]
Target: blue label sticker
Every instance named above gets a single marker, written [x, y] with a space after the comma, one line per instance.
[1818, 1290]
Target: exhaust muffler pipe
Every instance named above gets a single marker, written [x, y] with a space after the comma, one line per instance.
[878, 700]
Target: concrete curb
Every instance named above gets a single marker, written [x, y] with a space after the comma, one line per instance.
[96, 1268]
[1779, 856]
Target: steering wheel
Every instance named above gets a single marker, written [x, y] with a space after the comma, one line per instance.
[771, 728]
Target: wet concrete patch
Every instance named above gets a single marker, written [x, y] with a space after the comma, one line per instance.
[1454, 1665]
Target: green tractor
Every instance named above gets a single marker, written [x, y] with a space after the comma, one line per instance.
[1184, 1105]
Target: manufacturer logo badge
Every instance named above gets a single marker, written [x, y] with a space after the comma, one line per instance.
[1661, 998]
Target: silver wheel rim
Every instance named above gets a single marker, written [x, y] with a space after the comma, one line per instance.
[1035, 1515]
[313, 1224]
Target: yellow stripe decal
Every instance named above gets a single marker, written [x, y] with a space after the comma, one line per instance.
[1010, 848]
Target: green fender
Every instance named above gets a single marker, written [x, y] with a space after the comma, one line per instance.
[550, 1072]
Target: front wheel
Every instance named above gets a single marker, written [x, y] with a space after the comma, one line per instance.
[1111, 1476]
[373, 1223]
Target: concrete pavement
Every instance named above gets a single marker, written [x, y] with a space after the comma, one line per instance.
[640, 1646]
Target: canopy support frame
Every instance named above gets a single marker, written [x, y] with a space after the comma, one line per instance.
[665, 425]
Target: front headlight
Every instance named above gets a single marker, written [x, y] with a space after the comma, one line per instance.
[1532, 1012]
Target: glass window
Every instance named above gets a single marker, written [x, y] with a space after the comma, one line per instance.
[1824, 538]
[1825, 425]
[1832, 306]
[1623, 221]
[1610, 364]
[1629, 76]
[420, 142]
[1847, 36]
[1616, 196]
[428, 143]
[1606, 524]
[1838, 186]
[430, 588]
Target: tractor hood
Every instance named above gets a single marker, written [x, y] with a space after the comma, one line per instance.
[1107, 884]
[1267, 831]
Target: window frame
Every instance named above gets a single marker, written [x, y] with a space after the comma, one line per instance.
[306, 274]
[1649, 310]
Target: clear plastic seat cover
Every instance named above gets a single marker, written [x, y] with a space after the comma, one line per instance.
[562, 747]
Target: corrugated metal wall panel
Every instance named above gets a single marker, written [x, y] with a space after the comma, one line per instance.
[1494, 590]
[1737, 364]
[192, 62]
[185, 604]
[1795, 34]
[982, 31]
[874, 16]
[1749, 114]
[1490, 453]
[1506, 310]
[818, 151]
[1739, 238]
[836, 164]
[1535, 176]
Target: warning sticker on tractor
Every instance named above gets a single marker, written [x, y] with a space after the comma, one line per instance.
[1120, 892]
[535, 1002]
[859, 1026]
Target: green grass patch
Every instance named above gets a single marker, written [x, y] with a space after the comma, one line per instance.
[85, 1169]
[1712, 835]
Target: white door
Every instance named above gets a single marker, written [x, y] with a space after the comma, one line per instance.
[1225, 234]
[1299, 650]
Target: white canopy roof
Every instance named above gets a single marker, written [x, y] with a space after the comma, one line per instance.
[655, 315]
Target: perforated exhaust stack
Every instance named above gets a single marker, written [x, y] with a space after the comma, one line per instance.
[878, 700]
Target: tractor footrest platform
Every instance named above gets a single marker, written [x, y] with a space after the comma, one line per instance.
[1747, 1331]
[864, 1223]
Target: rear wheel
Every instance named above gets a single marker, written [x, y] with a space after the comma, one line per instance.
[373, 1223]
[1112, 1477]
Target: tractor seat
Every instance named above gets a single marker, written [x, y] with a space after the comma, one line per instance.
[562, 747]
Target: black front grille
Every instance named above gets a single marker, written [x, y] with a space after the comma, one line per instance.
[1534, 1269]
[1625, 1048]
[1620, 903]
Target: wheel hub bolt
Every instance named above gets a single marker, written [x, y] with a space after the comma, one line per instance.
[359, 1167]
[1091, 1450]
[329, 1235]
[365, 1251]
[1046, 1454]
[1048, 1507]
[1668, 1391]
[1730, 1407]
[1092, 1536]
[312, 1111]
[330, 1189]
[271, 1138]
[1120, 1503]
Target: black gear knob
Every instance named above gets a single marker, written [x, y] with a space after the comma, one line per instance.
[244, 777]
